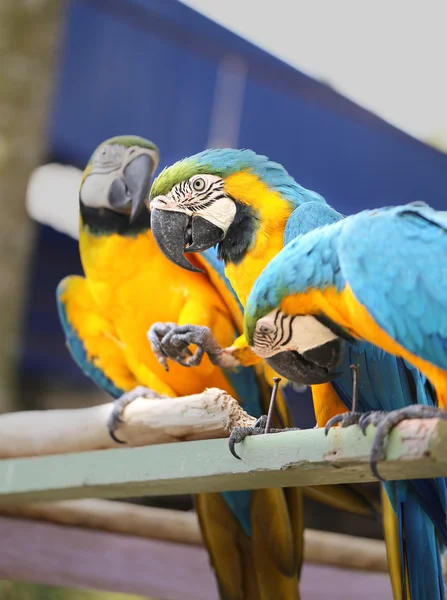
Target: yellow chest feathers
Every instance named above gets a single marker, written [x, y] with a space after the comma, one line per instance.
[131, 276]
[132, 285]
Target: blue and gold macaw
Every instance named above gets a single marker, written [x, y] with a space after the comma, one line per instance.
[322, 292]
[250, 207]
[254, 539]
[377, 276]
[241, 202]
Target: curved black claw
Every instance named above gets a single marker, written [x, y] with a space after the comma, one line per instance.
[115, 417]
[344, 420]
[372, 417]
[239, 434]
[169, 340]
[389, 420]
[261, 422]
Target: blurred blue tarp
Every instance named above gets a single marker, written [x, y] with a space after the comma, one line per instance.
[159, 69]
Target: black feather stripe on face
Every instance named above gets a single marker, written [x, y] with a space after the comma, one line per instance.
[185, 196]
[240, 235]
[336, 329]
[279, 337]
[102, 221]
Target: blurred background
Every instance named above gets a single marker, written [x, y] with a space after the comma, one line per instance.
[349, 96]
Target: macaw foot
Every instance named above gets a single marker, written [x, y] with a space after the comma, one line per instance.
[387, 421]
[239, 434]
[344, 420]
[115, 418]
[169, 340]
[156, 334]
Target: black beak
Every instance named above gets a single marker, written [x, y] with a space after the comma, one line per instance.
[311, 368]
[204, 235]
[176, 233]
[132, 189]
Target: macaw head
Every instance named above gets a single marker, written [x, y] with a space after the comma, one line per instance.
[221, 197]
[299, 347]
[284, 321]
[118, 176]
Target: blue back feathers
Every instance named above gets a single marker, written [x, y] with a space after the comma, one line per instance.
[309, 216]
[395, 262]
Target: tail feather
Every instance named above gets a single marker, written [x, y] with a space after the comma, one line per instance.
[255, 538]
[394, 551]
[420, 568]
[351, 498]
[422, 553]
[259, 566]
[295, 504]
[432, 496]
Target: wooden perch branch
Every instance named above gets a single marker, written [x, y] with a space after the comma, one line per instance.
[321, 547]
[417, 449]
[211, 414]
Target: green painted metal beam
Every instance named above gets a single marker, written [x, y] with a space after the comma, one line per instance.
[298, 458]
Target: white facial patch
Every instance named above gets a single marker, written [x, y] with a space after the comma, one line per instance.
[279, 332]
[221, 213]
[95, 189]
[201, 195]
[108, 163]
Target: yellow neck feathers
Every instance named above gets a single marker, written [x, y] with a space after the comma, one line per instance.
[272, 212]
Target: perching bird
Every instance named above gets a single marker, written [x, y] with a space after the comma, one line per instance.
[242, 202]
[378, 276]
[374, 275]
[250, 207]
[254, 538]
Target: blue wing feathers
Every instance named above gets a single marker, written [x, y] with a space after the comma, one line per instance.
[307, 217]
[397, 285]
[421, 548]
[431, 494]
[77, 350]
[394, 259]
[386, 383]
[404, 285]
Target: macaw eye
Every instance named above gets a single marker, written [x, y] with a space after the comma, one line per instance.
[198, 184]
[265, 329]
[103, 154]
